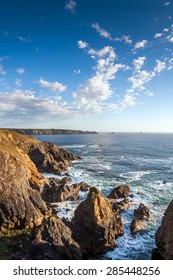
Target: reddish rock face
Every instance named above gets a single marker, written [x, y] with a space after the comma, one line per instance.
[164, 236]
[122, 191]
[20, 205]
[95, 225]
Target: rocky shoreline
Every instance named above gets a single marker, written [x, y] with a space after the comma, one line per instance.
[26, 210]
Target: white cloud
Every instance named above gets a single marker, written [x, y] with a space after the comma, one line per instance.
[20, 71]
[81, 44]
[139, 62]
[126, 39]
[53, 87]
[166, 3]
[101, 31]
[141, 44]
[97, 89]
[23, 106]
[170, 39]
[158, 35]
[160, 66]
[165, 30]
[77, 72]
[129, 100]
[71, 6]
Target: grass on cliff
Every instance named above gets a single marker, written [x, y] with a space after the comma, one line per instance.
[14, 240]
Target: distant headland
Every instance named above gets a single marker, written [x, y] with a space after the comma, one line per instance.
[52, 131]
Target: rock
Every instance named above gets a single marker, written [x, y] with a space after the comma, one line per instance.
[122, 191]
[121, 205]
[95, 226]
[54, 242]
[46, 156]
[142, 212]
[136, 226]
[60, 191]
[21, 206]
[164, 236]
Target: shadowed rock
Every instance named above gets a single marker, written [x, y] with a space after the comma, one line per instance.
[164, 236]
[54, 241]
[142, 212]
[122, 191]
[95, 226]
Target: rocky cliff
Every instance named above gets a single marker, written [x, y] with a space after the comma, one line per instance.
[164, 236]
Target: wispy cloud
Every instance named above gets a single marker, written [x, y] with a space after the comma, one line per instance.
[166, 3]
[20, 71]
[18, 82]
[104, 33]
[2, 71]
[82, 44]
[158, 35]
[91, 94]
[25, 40]
[77, 72]
[141, 44]
[71, 6]
[53, 87]
[101, 31]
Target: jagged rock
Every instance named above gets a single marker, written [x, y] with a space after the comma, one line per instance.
[122, 191]
[95, 226]
[60, 191]
[136, 225]
[54, 241]
[142, 212]
[21, 206]
[164, 236]
[46, 156]
[121, 205]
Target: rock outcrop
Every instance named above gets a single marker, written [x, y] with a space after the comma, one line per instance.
[121, 191]
[136, 225]
[21, 205]
[164, 236]
[62, 190]
[95, 226]
[120, 206]
[142, 212]
[54, 242]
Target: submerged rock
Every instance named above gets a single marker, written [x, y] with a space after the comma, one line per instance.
[95, 226]
[142, 212]
[122, 191]
[164, 236]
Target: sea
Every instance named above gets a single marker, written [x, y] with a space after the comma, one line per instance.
[144, 161]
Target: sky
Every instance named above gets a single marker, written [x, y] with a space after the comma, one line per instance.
[87, 64]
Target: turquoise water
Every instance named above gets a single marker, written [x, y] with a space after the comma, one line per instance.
[143, 161]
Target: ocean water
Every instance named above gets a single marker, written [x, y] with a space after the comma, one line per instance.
[143, 161]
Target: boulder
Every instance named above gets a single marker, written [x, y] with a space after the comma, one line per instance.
[121, 191]
[121, 205]
[54, 242]
[21, 206]
[95, 226]
[142, 212]
[164, 236]
[136, 225]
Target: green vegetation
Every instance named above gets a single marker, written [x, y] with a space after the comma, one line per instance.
[14, 240]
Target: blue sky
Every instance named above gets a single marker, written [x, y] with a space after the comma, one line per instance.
[87, 64]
